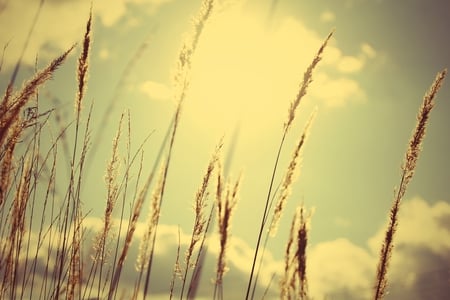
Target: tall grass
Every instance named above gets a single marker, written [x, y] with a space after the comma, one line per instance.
[408, 168]
[29, 194]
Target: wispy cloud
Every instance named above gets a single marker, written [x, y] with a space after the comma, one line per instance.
[60, 24]
[350, 64]
[337, 92]
[155, 90]
[111, 11]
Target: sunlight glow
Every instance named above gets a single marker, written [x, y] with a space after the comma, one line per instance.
[245, 74]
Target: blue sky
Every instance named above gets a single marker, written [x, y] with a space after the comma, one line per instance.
[251, 57]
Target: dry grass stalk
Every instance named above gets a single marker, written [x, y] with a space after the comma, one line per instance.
[287, 257]
[75, 274]
[76, 263]
[75, 187]
[13, 245]
[184, 62]
[83, 64]
[154, 212]
[100, 241]
[302, 242]
[408, 168]
[290, 177]
[294, 283]
[143, 258]
[6, 161]
[226, 200]
[201, 256]
[129, 236]
[307, 79]
[181, 83]
[284, 194]
[200, 218]
[10, 109]
[177, 268]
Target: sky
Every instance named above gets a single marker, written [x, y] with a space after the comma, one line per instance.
[246, 70]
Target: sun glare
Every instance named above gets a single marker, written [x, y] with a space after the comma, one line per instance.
[245, 74]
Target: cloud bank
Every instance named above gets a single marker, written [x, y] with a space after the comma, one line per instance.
[337, 269]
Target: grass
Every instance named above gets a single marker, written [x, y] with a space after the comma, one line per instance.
[29, 195]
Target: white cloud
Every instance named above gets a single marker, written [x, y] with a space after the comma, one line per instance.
[421, 248]
[368, 51]
[337, 92]
[342, 270]
[421, 225]
[155, 90]
[337, 266]
[350, 64]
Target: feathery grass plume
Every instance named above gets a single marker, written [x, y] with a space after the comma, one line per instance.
[83, 65]
[181, 82]
[284, 283]
[200, 218]
[17, 232]
[289, 177]
[111, 198]
[153, 215]
[302, 242]
[128, 162]
[6, 161]
[6, 100]
[124, 187]
[184, 62]
[10, 109]
[199, 261]
[76, 263]
[226, 201]
[75, 274]
[307, 79]
[284, 194]
[129, 236]
[408, 168]
[177, 268]
[294, 283]
[44, 237]
[72, 213]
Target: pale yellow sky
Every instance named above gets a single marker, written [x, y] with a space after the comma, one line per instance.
[246, 71]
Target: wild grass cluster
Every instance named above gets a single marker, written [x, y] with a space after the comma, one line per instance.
[43, 221]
